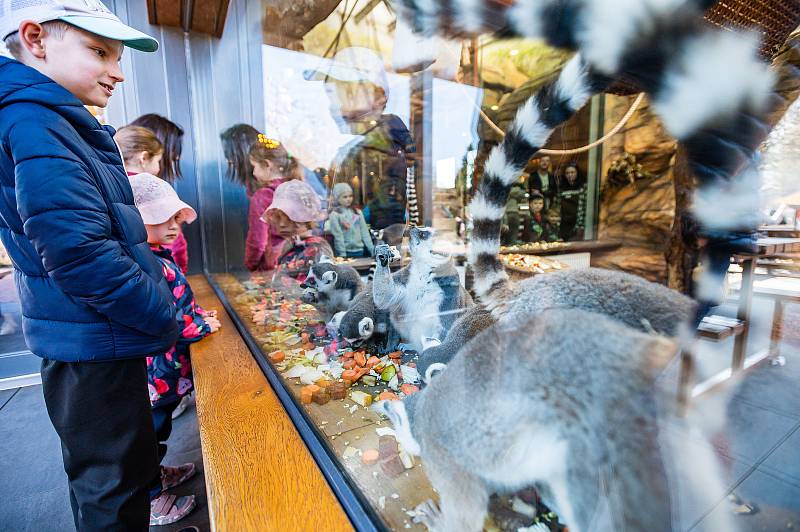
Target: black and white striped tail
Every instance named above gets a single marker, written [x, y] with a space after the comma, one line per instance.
[411, 196]
[552, 105]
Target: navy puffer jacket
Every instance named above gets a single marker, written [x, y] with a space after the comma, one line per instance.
[89, 285]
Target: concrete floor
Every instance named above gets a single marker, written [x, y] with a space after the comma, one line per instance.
[33, 489]
[760, 448]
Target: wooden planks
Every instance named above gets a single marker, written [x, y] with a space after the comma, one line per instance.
[259, 473]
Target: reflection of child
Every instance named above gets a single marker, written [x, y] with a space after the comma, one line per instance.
[552, 225]
[512, 219]
[272, 165]
[294, 212]
[169, 375]
[350, 232]
[534, 225]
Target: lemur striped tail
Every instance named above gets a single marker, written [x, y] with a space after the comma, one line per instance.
[535, 120]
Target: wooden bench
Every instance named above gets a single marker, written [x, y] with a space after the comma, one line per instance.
[782, 290]
[716, 328]
[259, 474]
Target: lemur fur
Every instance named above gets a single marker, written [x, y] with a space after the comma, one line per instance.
[330, 288]
[469, 325]
[565, 400]
[363, 323]
[427, 299]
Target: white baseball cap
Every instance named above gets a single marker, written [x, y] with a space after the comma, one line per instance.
[355, 63]
[89, 15]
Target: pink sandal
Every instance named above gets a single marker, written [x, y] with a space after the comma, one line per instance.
[175, 476]
[168, 508]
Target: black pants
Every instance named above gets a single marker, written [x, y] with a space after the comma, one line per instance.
[101, 412]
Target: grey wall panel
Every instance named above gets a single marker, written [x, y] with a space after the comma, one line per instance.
[205, 85]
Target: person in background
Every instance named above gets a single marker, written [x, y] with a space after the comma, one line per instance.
[272, 165]
[350, 232]
[513, 219]
[535, 223]
[169, 373]
[572, 198]
[170, 135]
[295, 212]
[95, 301]
[543, 182]
[141, 150]
[552, 223]
[236, 143]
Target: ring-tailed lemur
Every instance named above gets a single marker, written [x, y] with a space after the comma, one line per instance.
[330, 288]
[468, 326]
[707, 85]
[363, 323]
[428, 298]
[565, 400]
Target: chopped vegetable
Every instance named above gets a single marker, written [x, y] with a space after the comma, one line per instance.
[388, 396]
[388, 372]
[277, 356]
[361, 358]
[311, 376]
[338, 390]
[393, 467]
[321, 397]
[409, 389]
[349, 376]
[373, 361]
[369, 380]
[349, 364]
[361, 398]
[369, 457]
[307, 393]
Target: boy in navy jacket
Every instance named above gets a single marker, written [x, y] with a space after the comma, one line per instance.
[94, 302]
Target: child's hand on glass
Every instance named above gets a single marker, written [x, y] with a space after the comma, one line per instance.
[211, 320]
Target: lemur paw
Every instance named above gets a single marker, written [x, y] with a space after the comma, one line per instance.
[429, 514]
[383, 254]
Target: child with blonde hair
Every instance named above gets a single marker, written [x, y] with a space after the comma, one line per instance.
[272, 165]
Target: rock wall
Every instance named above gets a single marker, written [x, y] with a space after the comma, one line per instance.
[639, 215]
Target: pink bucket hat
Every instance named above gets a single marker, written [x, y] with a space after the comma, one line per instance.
[157, 201]
[298, 200]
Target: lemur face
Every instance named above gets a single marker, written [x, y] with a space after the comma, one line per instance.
[421, 245]
[401, 421]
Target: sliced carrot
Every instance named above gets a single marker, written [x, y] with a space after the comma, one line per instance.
[361, 358]
[409, 389]
[277, 356]
[361, 372]
[350, 376]
[388, 396]
[348, 354]
[373, 361]
[370, 456]
[349, 364]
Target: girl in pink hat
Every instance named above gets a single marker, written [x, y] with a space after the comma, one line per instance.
[295, 211]
[169, 374]
[272, 165]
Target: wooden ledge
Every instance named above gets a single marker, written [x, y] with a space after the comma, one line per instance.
[259, 473]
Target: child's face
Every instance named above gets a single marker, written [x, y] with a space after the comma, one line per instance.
[571, 174]
[164, 233]
[85, 64]
[346, 199]
[536, 205]
[151, 163]
[285, 226]
[554, 218]
[262, 172]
